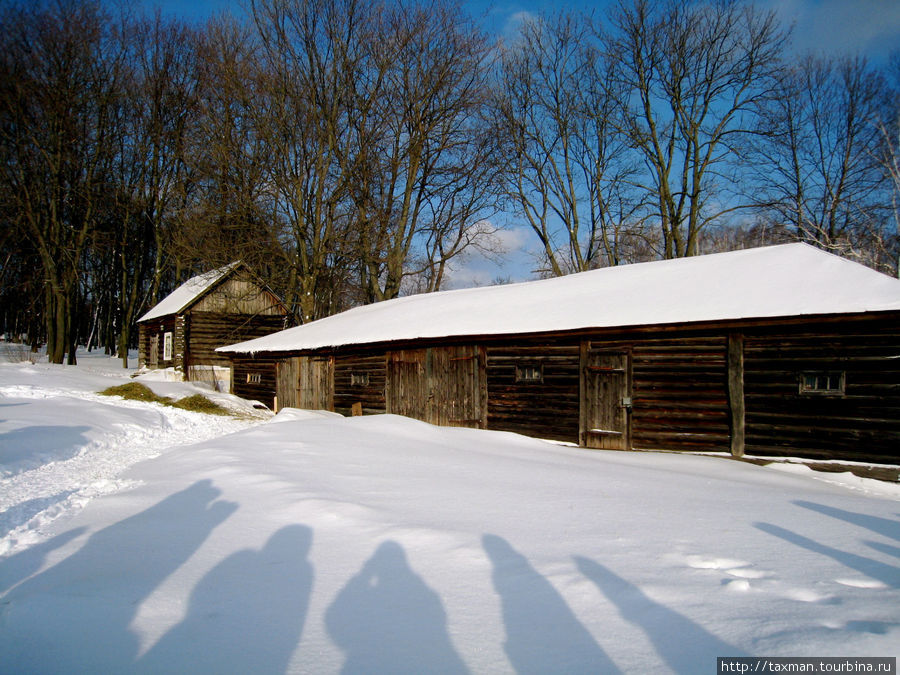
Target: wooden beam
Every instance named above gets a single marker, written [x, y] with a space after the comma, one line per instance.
[736, 392]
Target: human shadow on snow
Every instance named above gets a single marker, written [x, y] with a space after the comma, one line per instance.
[85, 603]
[246, 615]
[875, 569]
[23, 564]
[387, 620]
[683, 644]
[883, 526]
[542, 633]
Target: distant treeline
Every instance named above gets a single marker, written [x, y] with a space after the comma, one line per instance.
[348, 151]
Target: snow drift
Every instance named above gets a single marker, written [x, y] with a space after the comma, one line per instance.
[313, 543]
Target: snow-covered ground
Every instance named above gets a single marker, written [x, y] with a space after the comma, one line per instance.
[140, 538]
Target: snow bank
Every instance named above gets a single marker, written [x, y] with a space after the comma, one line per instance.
[316, 544]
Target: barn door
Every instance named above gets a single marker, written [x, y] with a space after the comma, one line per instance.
[316, 382]
[286, 378]
[606, 400]
[407, 391]
[440, 385]
[459, 387]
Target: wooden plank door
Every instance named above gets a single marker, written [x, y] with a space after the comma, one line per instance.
[154, 350]
[407, 390]
[315, 388]
[286, 377]
[606, 400]
[439, 385]
[459, 387]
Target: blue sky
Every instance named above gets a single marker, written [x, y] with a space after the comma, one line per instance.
[870, 27]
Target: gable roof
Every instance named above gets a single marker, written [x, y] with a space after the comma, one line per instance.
[189, 292]
[769, 282]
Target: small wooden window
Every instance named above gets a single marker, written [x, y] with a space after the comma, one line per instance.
[829, 383]
[167, 346]
[254, 378]
[359, 379]
[531, 372]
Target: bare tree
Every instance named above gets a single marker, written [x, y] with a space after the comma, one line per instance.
[60, 74]
[568, 168]
[148, 171]
[421, 175]
[224, 208]
[310, 53]
[818, 170]
[888, 155]
[693, 75]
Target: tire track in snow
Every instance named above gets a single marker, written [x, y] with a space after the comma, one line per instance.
[34, 495]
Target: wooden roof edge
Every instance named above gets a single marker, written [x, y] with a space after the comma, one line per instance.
[727, 325]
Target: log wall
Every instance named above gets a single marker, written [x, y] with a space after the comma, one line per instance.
[727, 388]
[680, 393]
[545, 409]
[862, 423]
[205, 331]
[360, 378]
[253, 378]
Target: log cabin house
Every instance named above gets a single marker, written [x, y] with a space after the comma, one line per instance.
[783, 350]
[209, 310]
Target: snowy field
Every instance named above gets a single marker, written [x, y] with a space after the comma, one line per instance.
[141, 538]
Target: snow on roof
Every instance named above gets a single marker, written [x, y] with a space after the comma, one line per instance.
[775, 281]
[186, 294]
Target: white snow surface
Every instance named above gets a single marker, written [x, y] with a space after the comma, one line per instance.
[313, 543]
[185, 294]
[775, 281]
[62, 444]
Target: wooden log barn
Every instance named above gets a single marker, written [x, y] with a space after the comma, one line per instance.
[783, 350]
[207, 311]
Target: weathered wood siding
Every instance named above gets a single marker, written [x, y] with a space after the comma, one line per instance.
[238, 295]
[724, 388]
[680, 393]
[863, 423]
[287, 380]
[305, 382]
[254, 378]
[545, 409]
[440, 385]
[316, 382]
[205, 331]
[360, 378]
[606, 398]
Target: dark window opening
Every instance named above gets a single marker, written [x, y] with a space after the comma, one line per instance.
[254, 378]
[530, 373]
[822, 383]
[359, 379]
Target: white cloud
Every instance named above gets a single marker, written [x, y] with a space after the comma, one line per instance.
[870, 27]
[514, 263]
[515, 21]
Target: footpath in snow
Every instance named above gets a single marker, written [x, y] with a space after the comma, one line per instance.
[62, 444]
[312, 543]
